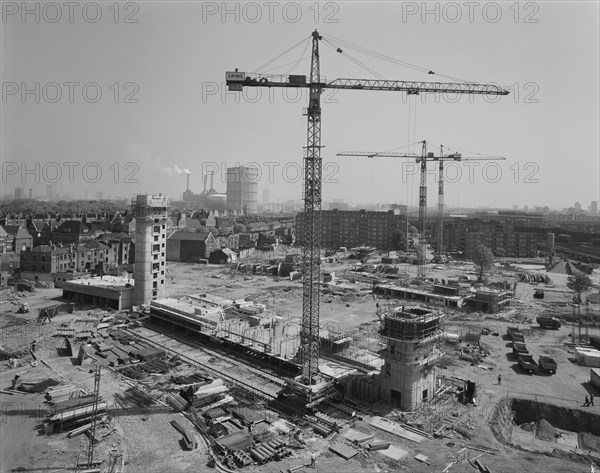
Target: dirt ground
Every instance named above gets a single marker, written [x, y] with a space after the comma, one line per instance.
[148, 443]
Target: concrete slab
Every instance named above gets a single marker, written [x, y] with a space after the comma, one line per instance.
[528, 441]
[568, 438]
[394, 452]
[353, 434]
[342, 450]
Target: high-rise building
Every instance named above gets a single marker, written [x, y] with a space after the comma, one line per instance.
[242, 189]
[594, 207]
[577, 206]
[150, 248]
[18, 192]
[51, 191]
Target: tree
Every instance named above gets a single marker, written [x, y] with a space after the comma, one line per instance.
[579, 283]
[484, 258]
[398, 240]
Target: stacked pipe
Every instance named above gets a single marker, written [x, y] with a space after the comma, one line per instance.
[257, 456]
[280, 449]
[322, 430]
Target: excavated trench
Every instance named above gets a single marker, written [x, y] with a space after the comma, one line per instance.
[547, 428]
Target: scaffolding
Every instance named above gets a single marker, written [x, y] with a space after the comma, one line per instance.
[413, 335]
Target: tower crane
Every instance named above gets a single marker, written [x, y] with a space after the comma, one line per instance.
[422, 161]
[309, 382]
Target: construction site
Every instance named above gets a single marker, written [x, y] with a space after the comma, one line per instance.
[294, 359]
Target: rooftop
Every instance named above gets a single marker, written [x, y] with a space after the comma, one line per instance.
[104, 281]
[419, 291]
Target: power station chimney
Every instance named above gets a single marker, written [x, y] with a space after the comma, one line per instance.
[187, 186]
[204, 181]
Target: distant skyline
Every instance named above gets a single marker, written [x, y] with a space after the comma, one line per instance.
[432, 206]
[123, 105]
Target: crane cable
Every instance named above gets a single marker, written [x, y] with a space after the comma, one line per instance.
[353, 59]
[256, 71]
[302, 58]
[294, 64]
[392, 60]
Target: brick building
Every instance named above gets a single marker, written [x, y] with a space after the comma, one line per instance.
[14, 238]
[50, 259]
[351, 228]
[515, 244]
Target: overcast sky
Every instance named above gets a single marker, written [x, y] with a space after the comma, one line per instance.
[160, 69]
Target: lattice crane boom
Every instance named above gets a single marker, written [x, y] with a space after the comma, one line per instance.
[311, 262]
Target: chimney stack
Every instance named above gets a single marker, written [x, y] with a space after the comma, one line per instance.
[187, 182]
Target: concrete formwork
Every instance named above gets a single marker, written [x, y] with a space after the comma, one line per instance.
[408, 377]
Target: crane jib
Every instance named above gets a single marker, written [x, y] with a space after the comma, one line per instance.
[237, 79]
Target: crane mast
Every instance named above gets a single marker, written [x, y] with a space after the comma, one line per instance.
[440, 206]
[311, 252]
[422, 160]
[422, 212]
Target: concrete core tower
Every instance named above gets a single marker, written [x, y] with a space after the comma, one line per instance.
[413, 335]
[150, 248]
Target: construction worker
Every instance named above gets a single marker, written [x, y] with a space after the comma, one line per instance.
[591, 399]
[313, 460]
[587, 402]
[499, 379]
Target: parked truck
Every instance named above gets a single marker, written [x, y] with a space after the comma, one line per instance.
[510, 331]
[526, 362]
[548, 322]
[520, 349]
[547, 364]
[518, 337]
